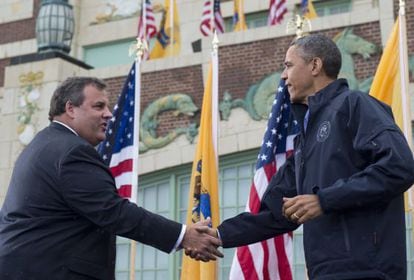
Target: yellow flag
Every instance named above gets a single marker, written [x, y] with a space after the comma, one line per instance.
[168, 41]
[239, 22]
[387, 80]
[390, 85]
[308, 10]
[203, 198]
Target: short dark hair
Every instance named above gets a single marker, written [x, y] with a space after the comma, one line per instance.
[318, 45]
[71, 90]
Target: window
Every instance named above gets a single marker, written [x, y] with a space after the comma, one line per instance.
[108, 54]
[329, 7]
[111, 53]
[253, 20]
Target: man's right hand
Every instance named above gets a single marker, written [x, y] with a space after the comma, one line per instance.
[200, 242]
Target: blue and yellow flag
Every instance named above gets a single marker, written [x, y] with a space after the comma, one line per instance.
[239, 22]
[308, 11]
[170, 27]
[203, 198]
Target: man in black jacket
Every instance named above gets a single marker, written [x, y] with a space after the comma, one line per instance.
[62, 210]
[346, 180]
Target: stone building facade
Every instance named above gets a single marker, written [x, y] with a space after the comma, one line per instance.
[246, 59]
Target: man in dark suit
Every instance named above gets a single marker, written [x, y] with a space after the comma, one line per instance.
[62, 211]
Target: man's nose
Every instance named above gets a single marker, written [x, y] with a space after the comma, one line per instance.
[284, 75]
[107, 113]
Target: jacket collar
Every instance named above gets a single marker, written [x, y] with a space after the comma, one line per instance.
[327, 93]
[318, 100]
[62, 126]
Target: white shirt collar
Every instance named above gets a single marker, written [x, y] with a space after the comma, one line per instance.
[65, 125]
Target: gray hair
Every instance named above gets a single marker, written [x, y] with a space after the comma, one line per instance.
[318, 45]
[71, 90]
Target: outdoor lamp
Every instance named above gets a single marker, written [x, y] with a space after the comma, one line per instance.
[54, 26]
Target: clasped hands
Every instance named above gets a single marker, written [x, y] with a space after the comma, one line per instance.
[201, 242]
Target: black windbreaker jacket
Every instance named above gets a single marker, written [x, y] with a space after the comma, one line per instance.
[355, 158]
[357, 161]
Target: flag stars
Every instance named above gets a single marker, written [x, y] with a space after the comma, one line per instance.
[129, 135]
[110, 131]
[263, 157]
[273, 131]
[280, 89]
[279, 136]
[131, 119]
[113, 119]
[105, 157]
[107, 144]
[269, 144]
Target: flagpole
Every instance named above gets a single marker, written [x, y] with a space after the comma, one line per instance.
[140, 48]
[405, 99]
[215, 97]
[404, 72]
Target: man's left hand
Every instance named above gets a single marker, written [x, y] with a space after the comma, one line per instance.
[302, 208]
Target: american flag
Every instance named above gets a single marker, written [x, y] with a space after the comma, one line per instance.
[218, 24]
[277, 9]
[118, 148]
[147, 22]
[270, 259]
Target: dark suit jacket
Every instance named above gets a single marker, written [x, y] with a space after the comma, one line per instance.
[62, 213]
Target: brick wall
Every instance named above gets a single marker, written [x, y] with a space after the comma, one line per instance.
[240, 67]
[17, 31]
[21, 29]
[187, 80]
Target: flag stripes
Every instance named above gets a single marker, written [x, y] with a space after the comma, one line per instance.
[269, 259]
[277, 10]
[206, 18]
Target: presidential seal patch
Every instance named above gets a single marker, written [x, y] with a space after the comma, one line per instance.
[323, 131]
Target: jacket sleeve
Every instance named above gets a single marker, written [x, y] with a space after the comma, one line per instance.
[390, 166]
[89, 189]
[247, 228]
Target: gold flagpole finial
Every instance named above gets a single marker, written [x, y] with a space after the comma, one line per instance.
[300, 24]
[215, 42]
[138, 48]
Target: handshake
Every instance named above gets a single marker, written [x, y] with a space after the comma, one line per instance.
[201, 242]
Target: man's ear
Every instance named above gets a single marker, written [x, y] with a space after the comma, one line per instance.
[317, 66]
[70, 109]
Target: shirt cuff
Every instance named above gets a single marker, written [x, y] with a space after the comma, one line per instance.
[179, 240]
[218, 234]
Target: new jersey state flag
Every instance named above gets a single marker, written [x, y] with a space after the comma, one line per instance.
[203, 198]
